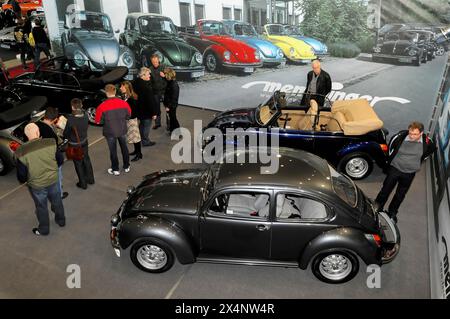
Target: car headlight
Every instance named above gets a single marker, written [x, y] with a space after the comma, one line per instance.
[79, 58]
[126, 60]
[292, 51]
[377, 49]
[198, 57]
[412, 52]
[280, 53]
[227, 55]
[257, 55]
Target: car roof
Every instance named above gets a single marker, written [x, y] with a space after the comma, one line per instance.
[297, 169]
[137, 15]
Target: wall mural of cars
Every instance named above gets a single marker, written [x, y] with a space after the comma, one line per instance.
[61, 79]
[147, 34]
[89, 36]
[230, 213]
[294, 50]
[220, 50]
[442, 41]
[270, 54]
[401, 46]
[320, 48]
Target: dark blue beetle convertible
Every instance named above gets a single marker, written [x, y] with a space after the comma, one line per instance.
[348, 134]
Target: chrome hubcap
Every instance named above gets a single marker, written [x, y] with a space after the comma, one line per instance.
[91, 114]
[151, 257]
[440, 51]
[335, 267]
[211, 62]
[357, 167]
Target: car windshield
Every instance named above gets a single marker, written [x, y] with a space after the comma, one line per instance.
[211, 27]
[245, 29]
[406, 36]
[292, 30]
[344, 187]
[92, 22]
[157, 25]
[276, 29]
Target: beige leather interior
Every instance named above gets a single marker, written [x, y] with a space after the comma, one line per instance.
[356, 117]
[265, 114]
[293, 117]
[307, 121]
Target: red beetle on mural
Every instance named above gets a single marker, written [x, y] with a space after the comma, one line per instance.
[219, 49]
[26, 6]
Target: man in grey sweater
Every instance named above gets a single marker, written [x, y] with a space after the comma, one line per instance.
[407, 150]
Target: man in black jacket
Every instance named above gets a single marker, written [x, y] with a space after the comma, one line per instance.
[41, 42]
[407, 150]
[171, 99]
[318, 85]
[146, 104]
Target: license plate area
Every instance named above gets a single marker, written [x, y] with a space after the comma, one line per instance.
[5, 46]
[249, 70]
[404, 60]
[197, 74]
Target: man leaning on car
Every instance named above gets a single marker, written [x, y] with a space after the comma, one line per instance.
[318, 84]
[407, 150]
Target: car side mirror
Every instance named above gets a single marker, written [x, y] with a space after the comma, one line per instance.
[117, 31]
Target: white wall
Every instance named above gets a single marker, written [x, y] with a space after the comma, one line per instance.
[117, 11]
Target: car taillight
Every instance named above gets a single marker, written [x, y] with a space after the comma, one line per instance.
[13, 145]
[384, 148]
[375, 238]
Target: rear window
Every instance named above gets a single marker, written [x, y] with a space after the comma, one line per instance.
[344, 187]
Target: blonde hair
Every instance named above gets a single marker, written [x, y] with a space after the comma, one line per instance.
[129, 89]
[170, 74]
[143, 70]
[110, 89]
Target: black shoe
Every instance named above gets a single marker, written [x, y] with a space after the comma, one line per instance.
[61, 224]
[91, 183]
[149, 144]
[136, 158]
[81, 186]
[155, 127]
[64, 195]
[37, 232]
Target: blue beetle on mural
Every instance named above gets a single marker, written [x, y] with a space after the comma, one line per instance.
[271, 55]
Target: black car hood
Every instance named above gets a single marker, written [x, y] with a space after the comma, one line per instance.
[234, 118]
[100, 47]
[168, 191]
[175, 49]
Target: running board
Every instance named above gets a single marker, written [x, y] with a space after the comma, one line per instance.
[248, 262]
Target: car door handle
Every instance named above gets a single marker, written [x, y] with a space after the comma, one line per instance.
[262, 227]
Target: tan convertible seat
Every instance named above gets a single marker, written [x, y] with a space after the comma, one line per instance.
[306, 122]
[356, 117]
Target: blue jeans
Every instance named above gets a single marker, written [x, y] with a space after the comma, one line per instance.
[144, 129]
[112, 144]
[40, 197]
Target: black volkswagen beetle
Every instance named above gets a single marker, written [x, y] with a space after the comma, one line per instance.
[304, 214]
[348, 134]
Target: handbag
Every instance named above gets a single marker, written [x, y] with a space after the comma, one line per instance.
[75, 153]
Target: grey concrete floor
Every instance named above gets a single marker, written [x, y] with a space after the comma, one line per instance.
[36, 267]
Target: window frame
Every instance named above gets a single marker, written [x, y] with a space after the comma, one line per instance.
[159, 6]
[182, 4]
[206, 212]
[224, 7]
[329, 210]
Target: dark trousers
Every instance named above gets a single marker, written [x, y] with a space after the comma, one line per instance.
[158, 116]
[173, 121]
[137, 149]
[394, 177]
[84, 169]
[40, 197]
[23, 51]
[37, 52]
[112, 144]
[144, 130]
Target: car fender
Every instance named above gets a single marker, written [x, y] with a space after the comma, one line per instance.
[218, 50]
[344, 238]
[6, 153]
[372, 149]
[134, 229]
